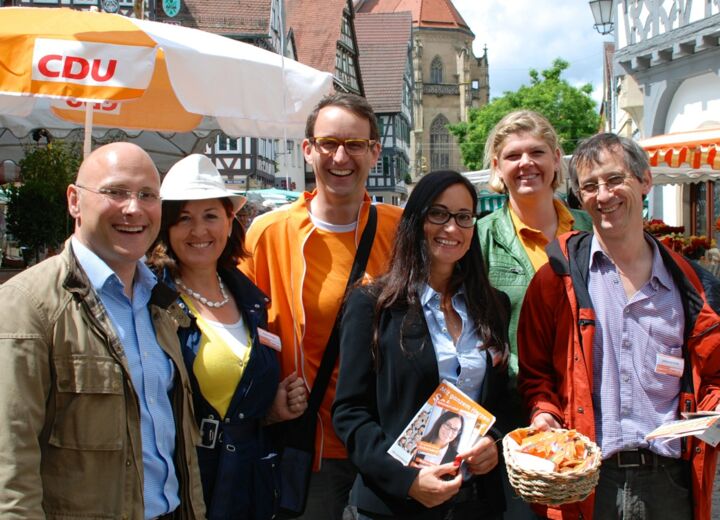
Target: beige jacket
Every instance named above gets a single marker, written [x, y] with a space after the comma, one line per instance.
[69, 416]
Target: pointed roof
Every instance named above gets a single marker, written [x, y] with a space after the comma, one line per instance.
[316, 26]
[431, 14]
[383, 40]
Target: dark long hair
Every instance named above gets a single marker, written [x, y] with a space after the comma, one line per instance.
[409, 269]
[434, 432]
[162, 256]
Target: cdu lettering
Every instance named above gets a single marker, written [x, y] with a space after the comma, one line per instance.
[76, 67]
[44, 65]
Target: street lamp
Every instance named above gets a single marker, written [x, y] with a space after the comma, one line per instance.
[602, 13]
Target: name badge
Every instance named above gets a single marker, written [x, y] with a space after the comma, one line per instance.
[269, 339]
[669, 365]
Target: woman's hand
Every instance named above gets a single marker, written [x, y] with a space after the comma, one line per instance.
[420, 462]
[545, 421]
[430, 489]
[290, 400]
[482, 457]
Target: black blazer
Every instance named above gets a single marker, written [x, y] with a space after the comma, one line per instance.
[372, 408]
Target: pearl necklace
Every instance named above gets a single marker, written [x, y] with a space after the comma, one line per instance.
[200, 297]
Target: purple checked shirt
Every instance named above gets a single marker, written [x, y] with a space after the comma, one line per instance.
[630, 399]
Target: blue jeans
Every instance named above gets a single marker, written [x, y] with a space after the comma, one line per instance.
[645, 493]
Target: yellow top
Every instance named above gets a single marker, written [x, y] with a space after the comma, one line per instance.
[221, 359]
[534, 241]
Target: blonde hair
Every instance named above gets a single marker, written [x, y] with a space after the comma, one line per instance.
[521, 121]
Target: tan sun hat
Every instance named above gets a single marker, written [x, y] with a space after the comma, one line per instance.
[196, 178]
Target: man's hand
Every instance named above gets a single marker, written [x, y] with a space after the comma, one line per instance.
[482, 457]
[545, 421]
[430, 489]
[290, 400]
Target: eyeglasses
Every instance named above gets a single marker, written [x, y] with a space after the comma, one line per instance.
[451, 428]
[438, 215]
[123, 195]
[611, 183]
[330, 145]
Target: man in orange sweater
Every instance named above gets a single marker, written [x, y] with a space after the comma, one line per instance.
[301, 256]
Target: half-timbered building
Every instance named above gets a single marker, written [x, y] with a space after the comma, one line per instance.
[245, 162]
[324, 36]
[385, 44]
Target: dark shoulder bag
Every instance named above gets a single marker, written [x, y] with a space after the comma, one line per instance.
[298, 454]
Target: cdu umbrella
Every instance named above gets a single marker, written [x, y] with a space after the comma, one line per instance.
[100, 69]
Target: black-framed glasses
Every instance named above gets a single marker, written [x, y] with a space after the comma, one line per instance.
[611, 183]
[330, 145]
[451, 428]
[439, 215]
[123, 195]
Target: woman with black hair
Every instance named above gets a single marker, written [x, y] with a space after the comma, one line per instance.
[445, 435]
[433, 316]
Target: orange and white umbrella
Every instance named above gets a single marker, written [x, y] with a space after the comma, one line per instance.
[109, 70]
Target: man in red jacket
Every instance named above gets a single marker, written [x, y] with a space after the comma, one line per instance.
[617, 336]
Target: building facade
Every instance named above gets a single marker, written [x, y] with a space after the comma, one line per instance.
[325, 39]
[385, 45]
[449, 79]
[124, 7]
[245, 162]
[667, 80]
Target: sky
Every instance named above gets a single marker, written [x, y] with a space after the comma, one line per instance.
[529, 34]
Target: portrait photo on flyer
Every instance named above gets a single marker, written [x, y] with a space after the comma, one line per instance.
[448, 423]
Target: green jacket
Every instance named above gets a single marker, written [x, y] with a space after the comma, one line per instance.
[509, 267]
[70, 428]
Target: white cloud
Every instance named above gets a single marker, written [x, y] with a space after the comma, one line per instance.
[529, 34]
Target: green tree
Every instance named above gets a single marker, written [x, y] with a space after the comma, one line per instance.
[37, 214]
[570, 109]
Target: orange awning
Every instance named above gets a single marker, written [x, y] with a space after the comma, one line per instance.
[695, 149]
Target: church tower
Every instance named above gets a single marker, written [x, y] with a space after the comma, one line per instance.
[449, 79]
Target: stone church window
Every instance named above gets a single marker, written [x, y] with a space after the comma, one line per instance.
[436, 70]
[439, 144]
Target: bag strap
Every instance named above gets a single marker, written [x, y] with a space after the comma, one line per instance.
[332, 348]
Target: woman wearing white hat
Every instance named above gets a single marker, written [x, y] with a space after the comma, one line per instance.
[229, 356]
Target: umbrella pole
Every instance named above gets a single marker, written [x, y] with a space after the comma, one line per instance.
[87, 142]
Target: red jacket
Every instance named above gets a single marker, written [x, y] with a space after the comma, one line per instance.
[555, 339]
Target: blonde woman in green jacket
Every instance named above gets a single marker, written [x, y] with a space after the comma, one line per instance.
[525, 160]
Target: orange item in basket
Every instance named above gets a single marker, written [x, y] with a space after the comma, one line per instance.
[564, 448]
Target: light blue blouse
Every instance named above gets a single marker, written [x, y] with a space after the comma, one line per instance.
[464, 364]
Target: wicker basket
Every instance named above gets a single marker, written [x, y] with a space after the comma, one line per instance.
[552, 488]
